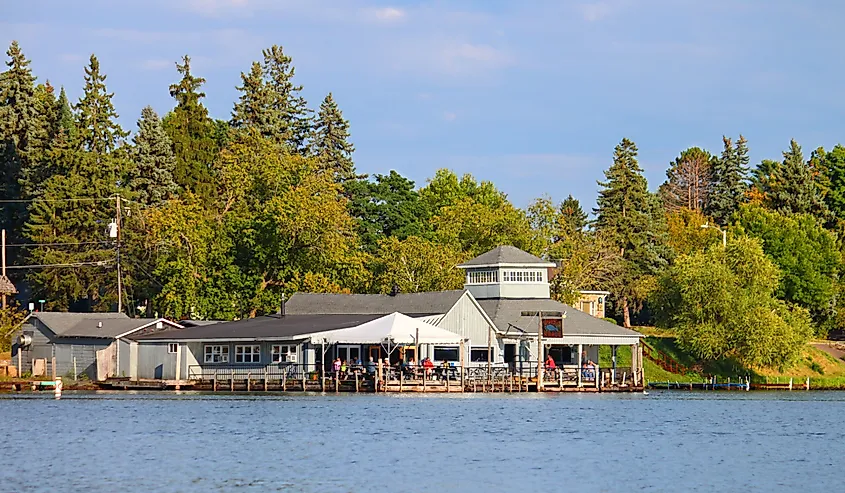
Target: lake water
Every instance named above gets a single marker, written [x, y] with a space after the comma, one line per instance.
[666, 441]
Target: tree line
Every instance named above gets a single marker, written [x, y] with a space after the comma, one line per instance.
[222, 218]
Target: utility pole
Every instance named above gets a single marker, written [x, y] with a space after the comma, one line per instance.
[117, 247]
[4, 265]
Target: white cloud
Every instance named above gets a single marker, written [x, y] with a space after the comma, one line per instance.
[388, 14]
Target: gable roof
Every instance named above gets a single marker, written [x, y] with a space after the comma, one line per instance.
[95, 325]
[506, 254]
[267, 327]
[507, 314]
[412, 304]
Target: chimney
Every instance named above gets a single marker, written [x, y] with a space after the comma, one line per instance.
[282, 308]
[99, 325]
[394, 290]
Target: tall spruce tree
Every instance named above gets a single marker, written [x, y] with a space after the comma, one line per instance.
[571, 217]
[793, 189]
[193, 133]
[729, 185]
[23, 137]
[96, 117]
[289, 114]
[36, 170]
[64, 117]
[330, 141]
[254, 106]
[628, 214]
[151, 178]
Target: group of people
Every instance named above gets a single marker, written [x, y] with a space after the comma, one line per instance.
[588, 368]
[343, 369]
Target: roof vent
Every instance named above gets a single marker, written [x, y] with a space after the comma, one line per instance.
[99, 325]
[394, 290]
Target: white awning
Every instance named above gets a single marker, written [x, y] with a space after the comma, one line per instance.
[396, 328]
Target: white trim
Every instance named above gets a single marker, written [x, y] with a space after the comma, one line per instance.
[606, 293]
[536, 265]
[162, 320]
[250, 353]
[595, 340]
[483, 313]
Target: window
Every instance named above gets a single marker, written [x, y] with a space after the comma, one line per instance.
[522, 276]
[280, 354]
[479, 354]
[172, 348]
[216, 354]
[248, 354]
[442, 353]
[482, 276]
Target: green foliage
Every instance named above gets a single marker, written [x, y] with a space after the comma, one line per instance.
[685, 232]
[96, 118]
[807, 255]
[729, 185]
[722, 304]
[632, 219]
[791, 187]
[385, 206]
[11, 318]
[151, 177]
[330, 141]
[193, 134]
[831, 166]
[415, 265]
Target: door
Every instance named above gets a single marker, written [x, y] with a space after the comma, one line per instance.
[510, 353]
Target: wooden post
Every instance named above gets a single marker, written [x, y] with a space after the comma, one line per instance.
[808, 379]
[232, 381]
[424, 371]
[336, 382]
[613, 370]
[53, 367]
[248, 380]
[490, 354]
[417, 346]
[357, 388]
[304, 381]
[323, 366]
[214, 382]
[446, 375]
[540, 351]
[379, 374]
[560, 378]
[4, 275]
[580, 362]
[640, 376]
[596, 373]
[401, 378]
[461, 370]
[284, 382]
[790, 384]
[265, 379]
[74, 367]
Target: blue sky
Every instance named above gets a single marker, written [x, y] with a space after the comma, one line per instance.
[532, 95]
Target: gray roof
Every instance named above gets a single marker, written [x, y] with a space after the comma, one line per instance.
[506, 312]
[67, 324]
[411, 304]
[199, 323]
[266, 327]
[506, 254]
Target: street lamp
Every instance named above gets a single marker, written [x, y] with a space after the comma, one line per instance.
[723, 231]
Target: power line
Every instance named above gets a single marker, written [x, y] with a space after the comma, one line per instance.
[81, 199]
[99, 263]
[70, 243]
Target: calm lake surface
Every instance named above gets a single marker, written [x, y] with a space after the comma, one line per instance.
[667, 441]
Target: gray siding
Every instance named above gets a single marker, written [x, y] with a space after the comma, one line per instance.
[466, 319]
[155, 362]
[123, 357]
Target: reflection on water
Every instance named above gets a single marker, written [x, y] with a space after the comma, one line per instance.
[667, 441]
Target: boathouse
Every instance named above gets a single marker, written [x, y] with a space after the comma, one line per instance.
[72, 344]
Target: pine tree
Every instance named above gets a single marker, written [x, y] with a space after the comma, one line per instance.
[289, 114]
[152, 176]
[193, 134]
[571, 217]
[36, 171]
[689, 180]
[330, 141]
[792, 188]
[254, 105]
[97, 124]
[730, 172]
[628, 214]
[23, 134]
[65, 121]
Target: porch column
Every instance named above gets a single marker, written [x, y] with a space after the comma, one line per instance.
[613, 371]
[640, 364]
[635, 366]
[580, 362]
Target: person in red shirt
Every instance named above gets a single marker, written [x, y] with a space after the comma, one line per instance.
[550, 363]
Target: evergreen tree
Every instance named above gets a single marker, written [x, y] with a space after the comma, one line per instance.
[729, 180]
[36, 171]
[97, 124]
[627, 213]
[254, 104]
[289, 115]
[193, 134]
[792, 189]
[64, 117]
[571, 217]
[152, 176]
[23, 134]
[330, 141]
[833, 165]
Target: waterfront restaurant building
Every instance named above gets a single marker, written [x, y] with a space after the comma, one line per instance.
[502, 313]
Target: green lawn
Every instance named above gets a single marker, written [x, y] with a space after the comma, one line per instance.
[824, 370]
